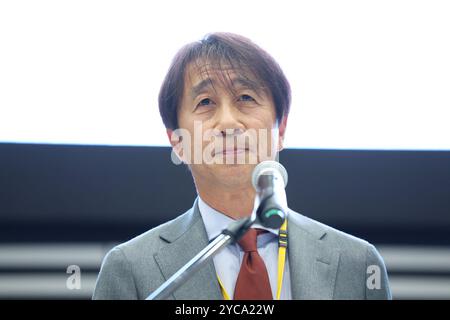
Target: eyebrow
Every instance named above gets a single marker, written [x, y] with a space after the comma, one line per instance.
[201, 86]
[240, 82]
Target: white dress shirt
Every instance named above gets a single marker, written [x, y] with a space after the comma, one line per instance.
[228, 261]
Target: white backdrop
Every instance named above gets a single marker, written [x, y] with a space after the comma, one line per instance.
[364, 74]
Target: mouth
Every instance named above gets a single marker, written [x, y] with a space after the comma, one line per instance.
[228, 152]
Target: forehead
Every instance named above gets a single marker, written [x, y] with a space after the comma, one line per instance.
[207, 75]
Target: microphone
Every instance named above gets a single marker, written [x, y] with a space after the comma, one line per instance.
[269, 178]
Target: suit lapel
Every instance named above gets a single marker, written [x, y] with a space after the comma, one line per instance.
[187, 237]
[313, 265]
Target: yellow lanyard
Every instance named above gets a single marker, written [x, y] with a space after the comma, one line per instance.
[282, 245]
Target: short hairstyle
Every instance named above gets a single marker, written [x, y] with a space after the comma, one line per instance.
[219, 49]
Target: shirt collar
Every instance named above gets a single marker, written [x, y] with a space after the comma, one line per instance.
[216, 221]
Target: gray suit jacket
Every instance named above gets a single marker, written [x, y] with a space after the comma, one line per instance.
[324, 263]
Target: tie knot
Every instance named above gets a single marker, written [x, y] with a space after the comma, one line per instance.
[248, 240]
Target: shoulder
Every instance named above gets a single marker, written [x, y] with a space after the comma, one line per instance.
[347, 244]
[361, 269]
[154, 240]
[325, 232]
[128, 270]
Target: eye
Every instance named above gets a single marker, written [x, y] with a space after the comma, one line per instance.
[205, 102]
[246, 97]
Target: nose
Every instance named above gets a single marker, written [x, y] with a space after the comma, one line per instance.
[228, 119]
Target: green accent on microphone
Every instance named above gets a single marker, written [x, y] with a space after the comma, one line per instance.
[271, 212]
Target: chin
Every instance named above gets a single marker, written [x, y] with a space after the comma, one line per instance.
[234, 173]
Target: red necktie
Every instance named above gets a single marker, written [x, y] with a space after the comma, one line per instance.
[253, 280]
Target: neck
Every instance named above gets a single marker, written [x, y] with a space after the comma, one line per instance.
[236, 203]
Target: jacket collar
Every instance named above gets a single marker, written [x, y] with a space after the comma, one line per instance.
[312, 262]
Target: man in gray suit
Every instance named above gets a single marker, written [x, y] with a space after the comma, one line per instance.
[217, 91]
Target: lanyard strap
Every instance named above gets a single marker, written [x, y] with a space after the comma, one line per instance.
[282, 246]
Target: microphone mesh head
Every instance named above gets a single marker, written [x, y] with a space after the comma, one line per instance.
[268, 165]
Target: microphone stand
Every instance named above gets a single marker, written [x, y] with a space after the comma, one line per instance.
[231, 234]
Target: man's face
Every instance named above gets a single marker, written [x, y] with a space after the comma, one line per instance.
[231, 123]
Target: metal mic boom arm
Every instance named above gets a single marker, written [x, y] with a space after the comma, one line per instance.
[231, 234]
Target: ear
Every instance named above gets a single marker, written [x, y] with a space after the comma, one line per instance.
[175, 141]
[171, 136]
[282, 132]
